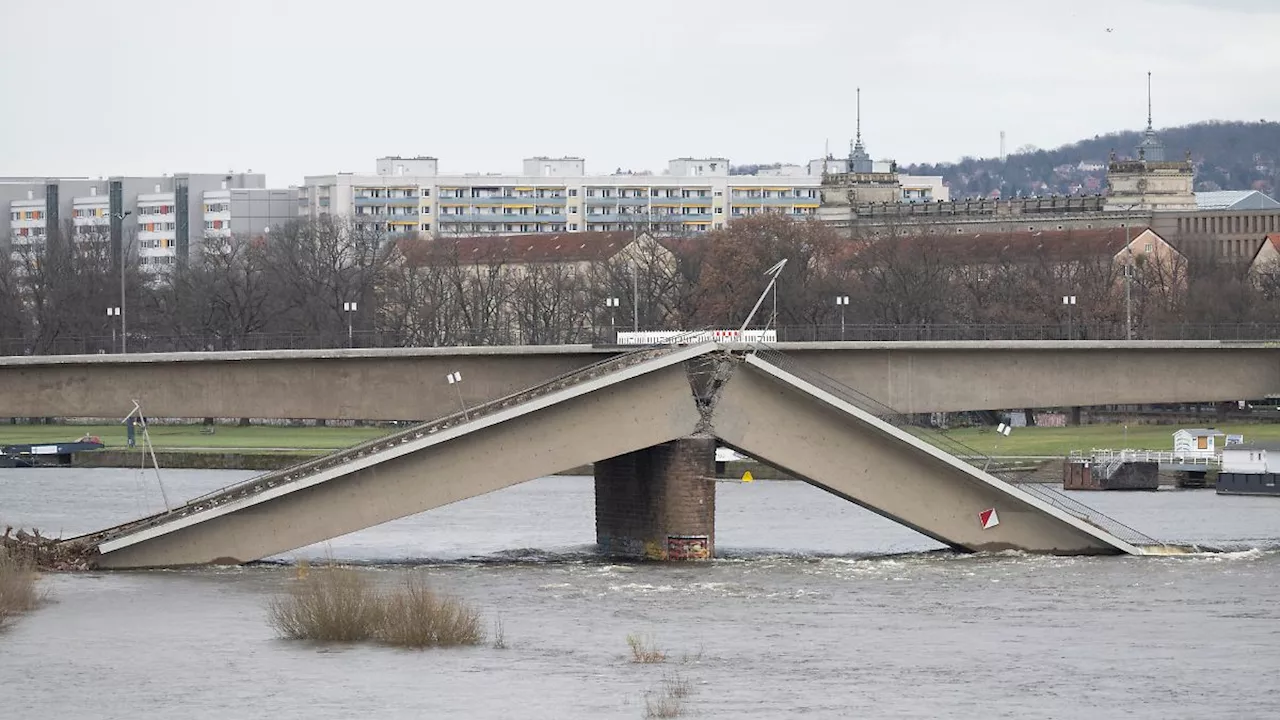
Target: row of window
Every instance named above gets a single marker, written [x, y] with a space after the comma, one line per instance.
[90, 212]
[740, 194]
[217, 207]
[157, 243]
[1230, 224]
[155, 209]
[157, 227]
[27, 215]
[743, 212]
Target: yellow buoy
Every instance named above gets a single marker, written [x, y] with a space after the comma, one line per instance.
[747, 476]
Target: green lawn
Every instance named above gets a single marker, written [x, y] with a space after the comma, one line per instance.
[189, 436]
[1060, 441]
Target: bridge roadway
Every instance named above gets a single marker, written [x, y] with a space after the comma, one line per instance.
[409, 383]
[763, 405]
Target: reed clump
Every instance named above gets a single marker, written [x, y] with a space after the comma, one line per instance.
[330, 603]
[18, 592]
[668, 701]
[644, 649]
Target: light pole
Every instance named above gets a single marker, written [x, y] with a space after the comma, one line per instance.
[1128, 286]
[843, 302]
[124, 335]
[113, 312]
[1069, 301]
[635, 297]
[612, 304]
[350, 309]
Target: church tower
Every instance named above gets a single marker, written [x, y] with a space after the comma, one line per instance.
[1150, 182]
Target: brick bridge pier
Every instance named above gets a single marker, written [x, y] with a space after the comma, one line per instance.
[658, 503]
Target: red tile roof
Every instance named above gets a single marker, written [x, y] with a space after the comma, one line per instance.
[530, 248]
[992, 246]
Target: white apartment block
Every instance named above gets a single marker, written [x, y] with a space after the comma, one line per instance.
[28, 222]
[557, 195]
[91, 216]
[160, 219]
[157, 225]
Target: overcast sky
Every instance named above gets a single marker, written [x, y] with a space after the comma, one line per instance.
[295, 87]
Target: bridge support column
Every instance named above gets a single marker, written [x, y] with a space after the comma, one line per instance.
[658, 503]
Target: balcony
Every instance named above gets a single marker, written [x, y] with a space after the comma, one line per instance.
[616, 200]
[619, 217]
[501, 218]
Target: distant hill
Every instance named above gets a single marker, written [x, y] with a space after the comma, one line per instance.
[1227, 156]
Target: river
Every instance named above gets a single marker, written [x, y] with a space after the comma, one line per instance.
[817, 609]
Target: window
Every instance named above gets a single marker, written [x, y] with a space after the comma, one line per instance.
[573, 227]
[719, 210]
[573, 192]
[426, 227]
[426, 192]
[573, 210]
[1148, 247]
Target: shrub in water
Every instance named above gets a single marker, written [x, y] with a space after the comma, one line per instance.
[17, 585]
[329, 604]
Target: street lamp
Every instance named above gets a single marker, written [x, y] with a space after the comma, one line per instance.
[350, 309]
[1069, 301]
[124, 336]
[843, 302]
[113, 312]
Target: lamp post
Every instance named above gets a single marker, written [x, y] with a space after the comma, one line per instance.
[635, 297]
[1128, 286]
[124, 335]
[113, 312]
[612, 304]
[1069, 301]
[843, 302]
[350, 309]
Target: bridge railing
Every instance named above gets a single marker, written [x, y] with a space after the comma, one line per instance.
[312, 466]
[141, 342]
[956, 448]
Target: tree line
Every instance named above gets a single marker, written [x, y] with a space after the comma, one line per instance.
[297, 288]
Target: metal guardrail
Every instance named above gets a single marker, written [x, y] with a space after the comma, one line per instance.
[960, 450]
[511, 334]
[310, 467]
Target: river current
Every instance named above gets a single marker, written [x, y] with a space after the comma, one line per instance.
[816, 609]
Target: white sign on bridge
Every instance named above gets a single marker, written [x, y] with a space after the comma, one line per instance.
[664, 337]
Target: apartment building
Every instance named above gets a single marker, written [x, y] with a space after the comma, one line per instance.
[557, 195]
[158, 218]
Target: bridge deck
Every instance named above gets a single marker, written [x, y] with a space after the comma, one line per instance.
[830, 437]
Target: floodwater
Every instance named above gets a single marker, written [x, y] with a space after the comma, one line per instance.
[818, 609]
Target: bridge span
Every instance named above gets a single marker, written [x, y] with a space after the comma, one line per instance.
[649, 420]
[409, 383]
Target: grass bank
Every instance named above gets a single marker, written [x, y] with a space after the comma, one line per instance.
[1045, 441]
[268, 438]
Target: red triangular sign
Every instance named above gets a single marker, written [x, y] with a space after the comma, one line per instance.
[988, 518]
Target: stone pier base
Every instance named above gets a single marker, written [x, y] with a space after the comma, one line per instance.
[658, 503]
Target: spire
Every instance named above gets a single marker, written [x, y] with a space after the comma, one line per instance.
[859, 141]
[1150, 148]
[859, 160]
[1149, 127]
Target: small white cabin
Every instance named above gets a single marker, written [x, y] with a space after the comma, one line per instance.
[1196, 441]
[1251, 459]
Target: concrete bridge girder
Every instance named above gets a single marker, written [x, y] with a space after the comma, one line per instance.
[582, 425]
[694, 391]
[860, 458]
[409, 383]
